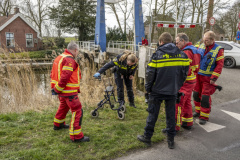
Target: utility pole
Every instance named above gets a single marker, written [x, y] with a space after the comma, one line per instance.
[150, 24]
[134, 46]
[176, 17]
[210, 12]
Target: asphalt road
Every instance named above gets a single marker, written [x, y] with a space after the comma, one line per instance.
[219, 139]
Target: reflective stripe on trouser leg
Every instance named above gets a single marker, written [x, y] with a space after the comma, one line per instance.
[187, 121]
[205, 107]
[61, 112]
[75, 131]
[178, 117]
[187, 116]
[197, 101]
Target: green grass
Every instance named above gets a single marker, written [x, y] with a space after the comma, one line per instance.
[69, 39]
[30, 135]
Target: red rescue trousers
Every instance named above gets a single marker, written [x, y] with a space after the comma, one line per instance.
[73, 103]
[183, 114]
[202, 96]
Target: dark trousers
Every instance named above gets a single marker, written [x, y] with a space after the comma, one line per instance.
[154, 103]
[120, 88]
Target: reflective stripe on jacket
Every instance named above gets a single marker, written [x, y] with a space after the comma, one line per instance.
[194, 58]
[73, 85]
[208, 61]
[167, 70]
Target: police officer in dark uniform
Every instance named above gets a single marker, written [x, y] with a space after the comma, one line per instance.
[165, 75]
[125, 66]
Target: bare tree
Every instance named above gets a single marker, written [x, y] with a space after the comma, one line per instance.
[124, 8]
[36, 12]
[229, 20]
[6, 7]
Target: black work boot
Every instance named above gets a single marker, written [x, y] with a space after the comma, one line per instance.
[195, 114]
[144, 139]
[165, 131]
[202, 121]
[187, 127]
[84, 139]
[170, 141]
[65, 126]
[131, 104]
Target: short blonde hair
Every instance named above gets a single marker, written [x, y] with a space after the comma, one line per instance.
[129, 56]
[210, 34]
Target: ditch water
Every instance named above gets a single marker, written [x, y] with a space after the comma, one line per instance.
[43, 80]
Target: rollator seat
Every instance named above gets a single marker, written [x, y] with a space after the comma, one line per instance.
[109, 88]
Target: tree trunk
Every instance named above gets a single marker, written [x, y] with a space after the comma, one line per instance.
[153, 25]
[210, 12]
[193, 10]
[112, 6]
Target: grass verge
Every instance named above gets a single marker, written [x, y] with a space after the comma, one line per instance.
[30, 135]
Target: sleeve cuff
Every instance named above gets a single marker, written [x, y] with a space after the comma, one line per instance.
[56, 90]
[214, 76]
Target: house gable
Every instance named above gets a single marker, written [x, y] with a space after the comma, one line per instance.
[15, 17]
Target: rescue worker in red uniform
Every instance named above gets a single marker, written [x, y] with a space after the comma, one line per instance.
[184, 117]
[65, 82]
[212, 60]
[144, 42]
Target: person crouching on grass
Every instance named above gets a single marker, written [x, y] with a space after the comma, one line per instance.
[125, 65]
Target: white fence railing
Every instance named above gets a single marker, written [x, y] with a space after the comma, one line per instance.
[126, 45]
[119, 46]
[88, 45]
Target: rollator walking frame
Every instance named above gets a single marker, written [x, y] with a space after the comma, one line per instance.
[109, 92]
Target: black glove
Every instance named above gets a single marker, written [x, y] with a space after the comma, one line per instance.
[54, 92]
[218, 87]
[179, 95]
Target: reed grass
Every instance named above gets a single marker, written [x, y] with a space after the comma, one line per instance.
[20, 92]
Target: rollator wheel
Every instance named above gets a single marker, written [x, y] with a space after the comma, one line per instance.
[123, 109]
[121, 115]
[94, 114]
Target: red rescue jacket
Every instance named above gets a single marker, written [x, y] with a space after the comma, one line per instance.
[65, 75]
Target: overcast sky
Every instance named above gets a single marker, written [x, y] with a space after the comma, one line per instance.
[111, 19]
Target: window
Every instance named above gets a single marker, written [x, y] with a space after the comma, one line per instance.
[221, 44]
[29, 40]
[235, 44]
[228, 47]
[10, 39]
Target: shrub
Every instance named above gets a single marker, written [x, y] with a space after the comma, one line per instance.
[37, 54]
[60, 42]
